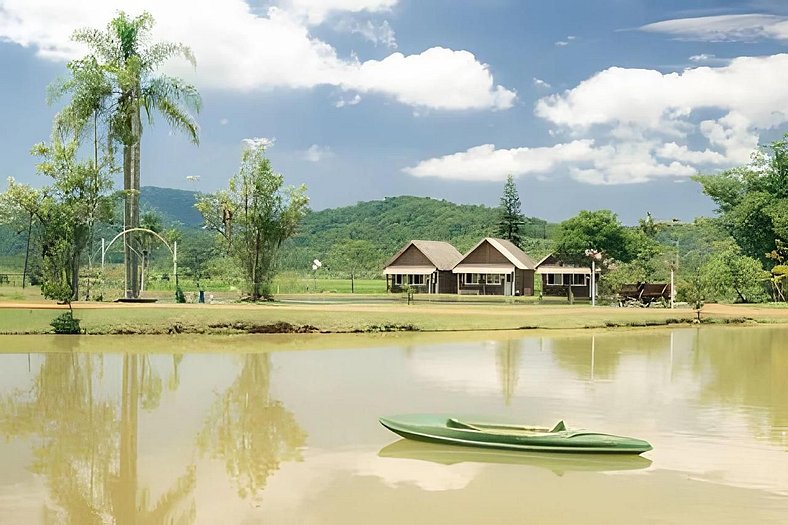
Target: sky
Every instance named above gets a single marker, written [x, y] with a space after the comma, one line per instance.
[606, 104]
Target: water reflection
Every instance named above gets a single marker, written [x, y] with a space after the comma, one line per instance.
[245, 430]
[87, 455]
[507, 356]
[251, 432]
[557, 463]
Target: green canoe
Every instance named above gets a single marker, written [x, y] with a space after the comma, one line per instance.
[471, 432]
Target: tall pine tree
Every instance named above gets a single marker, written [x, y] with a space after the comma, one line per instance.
[510, 218]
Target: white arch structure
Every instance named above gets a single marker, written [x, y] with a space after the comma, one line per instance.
[173, 250]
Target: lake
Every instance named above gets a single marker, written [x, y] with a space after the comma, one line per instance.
[283, 429]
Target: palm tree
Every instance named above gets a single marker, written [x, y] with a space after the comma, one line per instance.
[116, 82]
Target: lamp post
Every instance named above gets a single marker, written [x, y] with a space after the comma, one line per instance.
[674, 267]
[594, 255]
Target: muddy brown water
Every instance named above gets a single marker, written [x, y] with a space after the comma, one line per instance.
[283, 428]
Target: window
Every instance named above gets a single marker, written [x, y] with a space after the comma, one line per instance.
[493, 278]
[416, 279]
[580, 279]
[471, 278]
[398, 279]
[555, 279]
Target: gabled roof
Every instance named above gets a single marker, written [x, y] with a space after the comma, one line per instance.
[508, 249]
[543, 259]
[559, 264]
[442, 254]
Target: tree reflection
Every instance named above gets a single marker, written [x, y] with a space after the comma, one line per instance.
[507, 358]
[746, 367]
[87, 456]
[249, 430]
[603, 352]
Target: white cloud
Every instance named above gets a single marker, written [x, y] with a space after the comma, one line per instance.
[565, 42]
[424, 80]
[381, 34]
[636, 125]
[703, 57]
[262, 51]
[355, 99]
[724, 28]
[653, 101]
[485, 162]
[538, 82]
[224, 121]
[316, 11]
[615, 163]
[671, 150]
[317, 153]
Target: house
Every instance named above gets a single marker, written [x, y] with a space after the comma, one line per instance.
[557, 276]
[495, 267]
[423, 265]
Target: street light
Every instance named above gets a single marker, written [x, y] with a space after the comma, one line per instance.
[674, 267]
[594, 255]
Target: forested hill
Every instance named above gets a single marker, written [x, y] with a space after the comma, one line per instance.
[389, 223]
[175, 206]
[393, 221]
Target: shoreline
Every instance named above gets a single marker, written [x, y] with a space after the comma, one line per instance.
[32, 318]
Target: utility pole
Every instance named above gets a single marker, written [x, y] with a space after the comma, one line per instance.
[27, 249]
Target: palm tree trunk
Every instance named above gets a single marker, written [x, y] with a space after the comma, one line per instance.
[127, 186]
[131, 183]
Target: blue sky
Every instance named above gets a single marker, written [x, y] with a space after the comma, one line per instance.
[605, 104]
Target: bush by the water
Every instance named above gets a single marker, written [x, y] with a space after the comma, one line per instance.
[66, 323]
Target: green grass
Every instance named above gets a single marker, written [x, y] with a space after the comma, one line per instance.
[336, 318]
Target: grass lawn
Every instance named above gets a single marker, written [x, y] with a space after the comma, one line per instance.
[103, 318]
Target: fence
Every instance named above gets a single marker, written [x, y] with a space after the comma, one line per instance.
[12, 279]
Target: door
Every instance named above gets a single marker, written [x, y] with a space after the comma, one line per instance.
[507, 286]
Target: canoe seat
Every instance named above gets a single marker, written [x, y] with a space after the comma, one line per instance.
[454, 423]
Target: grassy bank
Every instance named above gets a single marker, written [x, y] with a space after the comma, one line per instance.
[103, 318]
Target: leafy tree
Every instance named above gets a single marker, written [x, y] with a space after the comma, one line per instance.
[779, 273]
[595, 230]
[66, 211]
[254, 216]
[352, 256]
[511, 219]
[730, 275]
[115, 83]
[196, 252]
[753, 199]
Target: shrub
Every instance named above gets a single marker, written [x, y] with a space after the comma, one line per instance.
[66, 323]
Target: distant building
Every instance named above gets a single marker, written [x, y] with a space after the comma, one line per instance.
[557, 276]
[423, 265]
[495, 267]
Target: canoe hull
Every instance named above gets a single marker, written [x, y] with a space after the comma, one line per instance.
[435, 429]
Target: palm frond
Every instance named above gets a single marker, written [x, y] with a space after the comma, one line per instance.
[160, 52]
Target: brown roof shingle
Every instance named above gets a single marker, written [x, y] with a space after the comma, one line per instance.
[442, 254]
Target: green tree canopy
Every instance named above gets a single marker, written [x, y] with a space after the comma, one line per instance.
[115, 83]
[510, 217]
[594, 230]
[753, 200]
[254, 216]
[729, 275]
[352, 256]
